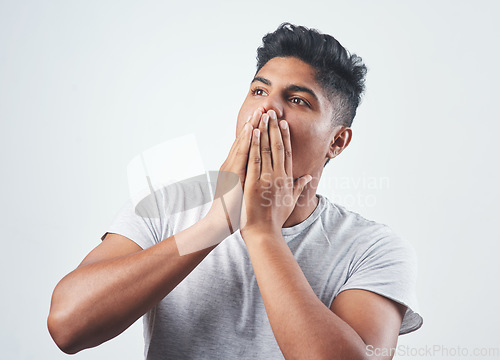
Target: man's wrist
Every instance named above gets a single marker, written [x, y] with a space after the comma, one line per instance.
[220, 222]
[256, 232]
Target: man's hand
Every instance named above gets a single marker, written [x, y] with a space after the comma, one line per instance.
[270, 193]
[231, 178]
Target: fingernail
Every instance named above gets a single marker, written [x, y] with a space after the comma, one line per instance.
[272, 114]
[265, 119]
[256, 132]
[283, 124]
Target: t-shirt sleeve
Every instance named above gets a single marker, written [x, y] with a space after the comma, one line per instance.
[141, 224]
[388, 267]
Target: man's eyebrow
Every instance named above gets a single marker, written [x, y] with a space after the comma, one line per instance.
[262, 80]
[289, 88]
[303, 89]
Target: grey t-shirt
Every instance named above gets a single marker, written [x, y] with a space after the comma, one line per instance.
[217, 311]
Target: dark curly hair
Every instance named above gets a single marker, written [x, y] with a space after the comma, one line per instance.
[340, 74]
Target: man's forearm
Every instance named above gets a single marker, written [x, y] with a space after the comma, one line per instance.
[303, 326]
[98, 301]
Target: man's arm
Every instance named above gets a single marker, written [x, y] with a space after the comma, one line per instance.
[118, 282]
[303, 326]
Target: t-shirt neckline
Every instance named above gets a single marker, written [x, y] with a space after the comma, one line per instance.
[293, 230]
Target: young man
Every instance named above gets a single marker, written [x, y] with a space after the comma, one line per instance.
[296, 277]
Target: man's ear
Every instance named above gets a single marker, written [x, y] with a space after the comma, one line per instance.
[342, 138]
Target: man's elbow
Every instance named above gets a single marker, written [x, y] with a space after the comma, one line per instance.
[61, 326]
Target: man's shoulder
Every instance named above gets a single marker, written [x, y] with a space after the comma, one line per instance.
[340, 217]
[345, 225]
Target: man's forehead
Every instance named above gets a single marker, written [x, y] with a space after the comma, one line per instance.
[290, 68]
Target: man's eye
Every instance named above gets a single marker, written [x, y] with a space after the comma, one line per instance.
[299, 101]
[258, 91]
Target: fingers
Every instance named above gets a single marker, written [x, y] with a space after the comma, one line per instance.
[265, 148]
[253, 120]
[285, 134]
[255, 117]
[242, 146]
[242, 141]
[275, 150]
[299, 185]
[254, 159]
[276, 141]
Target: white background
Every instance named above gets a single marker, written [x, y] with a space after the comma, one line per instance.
[85, 86]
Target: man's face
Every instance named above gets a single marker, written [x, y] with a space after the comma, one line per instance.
[288, 86]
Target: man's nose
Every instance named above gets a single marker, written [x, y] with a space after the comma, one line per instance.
[273, 103]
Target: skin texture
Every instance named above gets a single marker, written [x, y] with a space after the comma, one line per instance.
[118, 282]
